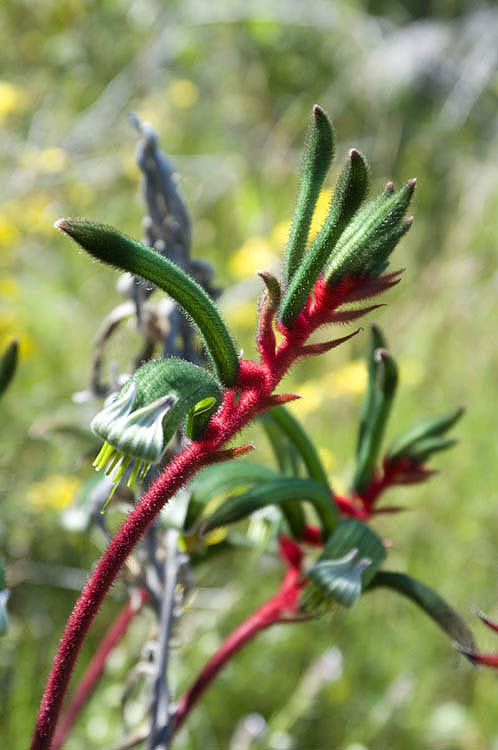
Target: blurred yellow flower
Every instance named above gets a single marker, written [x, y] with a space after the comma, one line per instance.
[183, 93]
[9, 233]
[9, 288]
[12, 99]
[280, 234]
[56, 491]
[52, 160]
[49, 160]
[312, 397]
[320, 213]
[348, 380]
[255, 254]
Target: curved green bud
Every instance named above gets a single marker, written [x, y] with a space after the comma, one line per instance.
[371, 236]
[138, 423]
[381, 389]
[110, 246]
[8, 364]
[405, 444]
[347, 565]
[318, 157]
[350, 191]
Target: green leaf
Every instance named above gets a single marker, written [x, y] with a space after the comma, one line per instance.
[318, 157]
[8, 364]
[345, 568]
[381, 389]
[377, 341]
[350, 191]
[298, 437]
[425, 448]
[110, 246]
[430, 602]
[220, 481]
[286, 454]
[276, 492]
[371, 235]
[431, 428]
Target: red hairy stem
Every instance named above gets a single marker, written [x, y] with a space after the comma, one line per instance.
[182, 467]
[281, 608]
[94, 670]
[255, 384]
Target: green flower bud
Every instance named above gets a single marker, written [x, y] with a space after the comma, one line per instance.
[138, 423]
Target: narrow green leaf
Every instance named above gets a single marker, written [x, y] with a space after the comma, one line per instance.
[318, 157]
[8, 364]
[286, 454]
[345, 568]
[221, 481]
[110, 246]
[425, 448]
[383, 379]
[350, 191]
[296, 434]
[371, 235]
[430, 602]
[377, 341]
[434, 427]
[276, 492]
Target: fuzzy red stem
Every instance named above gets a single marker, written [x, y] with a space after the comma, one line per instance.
[255, 384]
[176, 474]
[95, 668]
[275, 610]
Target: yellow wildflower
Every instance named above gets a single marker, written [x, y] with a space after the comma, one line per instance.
[56, 492]
[348, 380]
[256, 253]
[9, 233]
[320, 213]
[12, 99]
[183, 93]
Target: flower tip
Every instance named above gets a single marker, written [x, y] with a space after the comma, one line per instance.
[61, 225]
[467, 652]
[381, 354]
[412, 183]
[389, 186]
[409, 221]
[354, 154]
[318, 111]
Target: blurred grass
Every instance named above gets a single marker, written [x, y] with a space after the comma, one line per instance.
[229, 86]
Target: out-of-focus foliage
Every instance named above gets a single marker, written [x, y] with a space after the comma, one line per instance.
[228, 86]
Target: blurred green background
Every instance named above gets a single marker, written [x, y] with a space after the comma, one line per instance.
[229, 87]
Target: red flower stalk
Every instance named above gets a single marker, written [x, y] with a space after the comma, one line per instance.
[251, 395]
[95, 668]
[282, 607]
